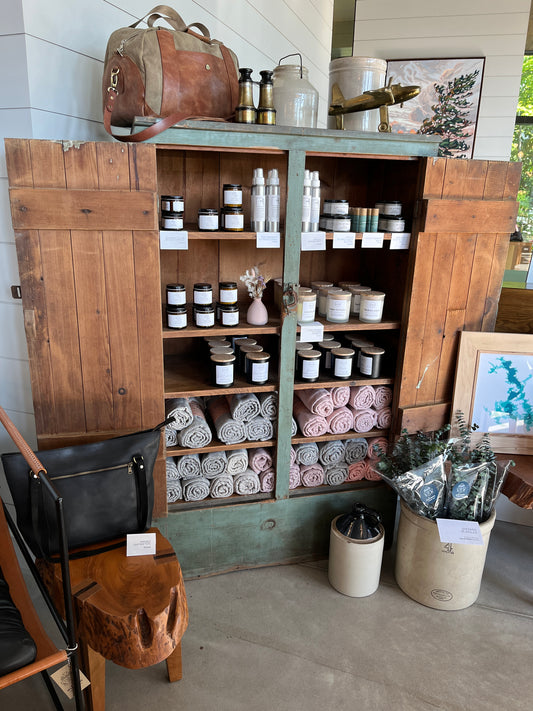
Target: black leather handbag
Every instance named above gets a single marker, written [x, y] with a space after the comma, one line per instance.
[107, 490]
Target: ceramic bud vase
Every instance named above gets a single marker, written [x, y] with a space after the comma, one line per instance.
[257, 314]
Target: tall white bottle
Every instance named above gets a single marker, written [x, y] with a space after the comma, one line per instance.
[315, 201]
[306, 203]
[272, 201]
[258, 206]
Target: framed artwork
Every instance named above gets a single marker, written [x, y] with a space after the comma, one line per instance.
[448, 103]
[494, 388]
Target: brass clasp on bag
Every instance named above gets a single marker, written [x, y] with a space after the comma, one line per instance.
[114, 80]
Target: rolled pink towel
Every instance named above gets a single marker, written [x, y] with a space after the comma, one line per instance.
[340, 395]
[259, 459]
[362, 397]
[318, 401]
[364, 420]
[295, 479]
[310, 425]
[383, 396]
[381, 442]
[371, 474]
[340, 420]
[267, 480]
[312, 475]
[357, 471]
[383, 417]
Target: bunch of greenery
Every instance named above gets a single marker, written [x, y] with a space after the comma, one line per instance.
[412, 451]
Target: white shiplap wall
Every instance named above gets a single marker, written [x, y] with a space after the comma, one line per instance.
[51, 58]
[403, 29]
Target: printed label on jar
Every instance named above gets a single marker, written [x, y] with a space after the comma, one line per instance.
[372, 309]
[176, 298]
[224, 374]
[338, 309]
[172, 223]
[233, 197]
[343, 367]
[259, 372]
[230, 318]
[234, 222]
[227, 296]
[208, 222]
[308, 310]
[177, 320]
[310, 369]
[355, 305]
[203, 297]
[205, 319]
[365, 364]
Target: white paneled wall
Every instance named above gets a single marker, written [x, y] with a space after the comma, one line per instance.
[403, 29]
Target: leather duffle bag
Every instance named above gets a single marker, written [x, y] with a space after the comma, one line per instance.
[170, 74]
[106, 487]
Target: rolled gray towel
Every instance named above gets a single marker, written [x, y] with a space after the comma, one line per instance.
[331, 452]
[221, 486]
[188, 465]
[196, 488]
[174, 491]
[237, 461]
[172, 470]
[259, 429]
[247, 483]
[213, 464]
[229, 430]
[269, 405]
[198, 433]
[356, 450]
[294, 428]
[335, 474]
[171, 436]
[180, 409]
[306, 453]
[244, 406]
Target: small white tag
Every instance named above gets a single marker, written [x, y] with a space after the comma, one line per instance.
[454, 531]
[173, 239]
[312, 332]
[63, 679]
[140, 544]
[343, 240]
[372, 239]
[400, 240]
[313, 241]
[267, 240]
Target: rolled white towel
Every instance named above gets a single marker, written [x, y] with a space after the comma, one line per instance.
[196, 488]
[259, 429]
[306, 453]
[188, 465]
[171, 436]
[229, 430]
[269, 405]
[174, 491]
[237, 461]
[247, 483]
[172, 470]
[221, 486]
[179, 408]
[244, 406]
[213, 464]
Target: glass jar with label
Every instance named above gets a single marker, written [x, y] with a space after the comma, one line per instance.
[222, 369]
[338, 306]
[308, 368]
[202, 294]
[317, 285]
[342, 362]
[172, 203]
[176, 294]
[339, 207]
[171, 220]
[301, 346]
[227, 292]
[394, 223]
[228, 314]
[356, 291]
[208, 219]
[370, 361]
[233, 219]
[371, 307]
[325, 347]
[242, 363]
[357, 343]
[322, 304]
[176, 316]
[341, 223]
[305, 308]
[257, 366]
[393, 207]
[204, 316]
[232, 196]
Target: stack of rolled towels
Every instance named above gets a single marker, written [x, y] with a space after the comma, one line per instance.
[342, 409]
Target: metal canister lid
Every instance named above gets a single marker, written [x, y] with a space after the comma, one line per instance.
[361, 523]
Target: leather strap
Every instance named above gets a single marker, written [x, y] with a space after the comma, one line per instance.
[166, 13]
[24, 448]
[142, 493]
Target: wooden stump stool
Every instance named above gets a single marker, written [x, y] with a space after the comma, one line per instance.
[130, 610]
[518, 486]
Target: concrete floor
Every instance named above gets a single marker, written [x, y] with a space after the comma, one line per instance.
[283, 638]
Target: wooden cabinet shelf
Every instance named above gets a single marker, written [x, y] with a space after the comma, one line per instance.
[325, 382]
[216, 446]
[185, 378]
[243, 329]
[354, 324]
[299, 439]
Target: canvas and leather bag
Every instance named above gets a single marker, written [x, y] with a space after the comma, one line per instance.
[171, 74]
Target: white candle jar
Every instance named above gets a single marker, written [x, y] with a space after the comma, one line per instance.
[371, 310]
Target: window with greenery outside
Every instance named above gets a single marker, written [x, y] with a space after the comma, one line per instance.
[522, 148]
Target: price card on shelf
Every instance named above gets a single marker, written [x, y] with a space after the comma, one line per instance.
[400, 240]
[313, 241]
[267, 240]
[343, 240]
[140, 544]
[312, 332]
[173, 239]
[454, 531]
[372, 240]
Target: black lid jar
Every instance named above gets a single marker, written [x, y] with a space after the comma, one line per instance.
[228, 314]
[176, 294]
[325, 347]
[256, 369]
[342, 362]
[202, 294]
[176, 316]
[204, 316]
[232, 196]
[370, 359]
[242, 363]
[171, 220]
[222, 369]
[172, 203]
[208, 219]
[308, 368]
[227, 292]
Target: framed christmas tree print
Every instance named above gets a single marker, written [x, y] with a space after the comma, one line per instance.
[448, 103]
